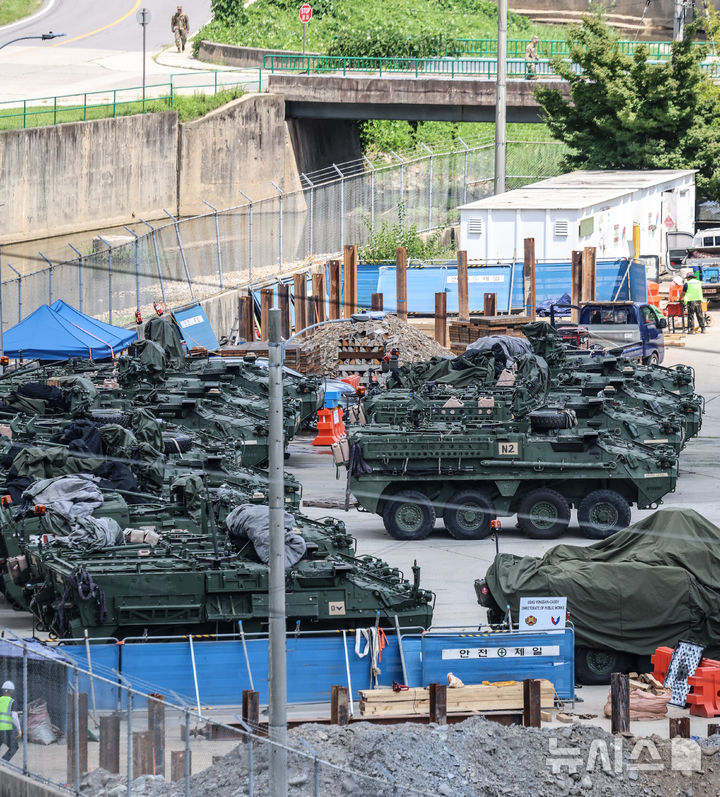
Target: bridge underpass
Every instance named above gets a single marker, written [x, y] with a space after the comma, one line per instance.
[322, 110]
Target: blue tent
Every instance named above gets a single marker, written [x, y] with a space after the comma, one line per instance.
[59, 331]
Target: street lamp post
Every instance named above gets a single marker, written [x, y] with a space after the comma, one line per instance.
[43, 36]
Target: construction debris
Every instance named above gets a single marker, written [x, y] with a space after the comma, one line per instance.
[360, 346]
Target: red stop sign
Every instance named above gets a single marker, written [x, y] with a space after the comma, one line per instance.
[305, 12]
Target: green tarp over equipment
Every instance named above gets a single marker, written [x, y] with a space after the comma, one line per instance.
[652, 584]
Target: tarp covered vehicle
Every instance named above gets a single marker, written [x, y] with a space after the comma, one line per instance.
[652, 584]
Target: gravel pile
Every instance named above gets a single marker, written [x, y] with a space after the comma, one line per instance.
[475, 757]
[319, 349]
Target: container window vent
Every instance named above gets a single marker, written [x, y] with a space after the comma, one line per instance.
[561, 229]
[474, 226]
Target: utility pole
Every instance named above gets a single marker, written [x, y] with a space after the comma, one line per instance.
[679, 20]
[501, 98]
[277, 725]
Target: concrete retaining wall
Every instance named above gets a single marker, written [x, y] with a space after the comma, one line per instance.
[232, 55]
[15, 784]
[84, 175]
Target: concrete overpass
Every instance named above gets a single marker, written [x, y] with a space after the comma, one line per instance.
[416, 99]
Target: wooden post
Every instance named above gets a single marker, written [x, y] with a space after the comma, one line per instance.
[300, 295]
[489, 304]
[251, 709]
[142, 753]
[619, 703]
[529, 277]
[463, 289]
[318, 289]
[334, 289]
[438, 703]
[77, 737]
[713, 728]
[246, 325]
[531, 703]
[401, 282]
[441, 318]
[350, 254]
[589, 274]
[376, 301]
[266, 304]
[110, 743]
[339, 705]
[156, 726]
[576, 283]
[177, 765]
[284, 307]
[680, 727]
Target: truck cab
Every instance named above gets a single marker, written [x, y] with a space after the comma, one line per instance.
[635, 327]
[702, 255]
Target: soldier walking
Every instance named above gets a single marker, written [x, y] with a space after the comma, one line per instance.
[531, 59]
[180, 26]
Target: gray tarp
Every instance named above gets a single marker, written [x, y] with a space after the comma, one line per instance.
[252, 521]
[505, 347]
[71, 495]
[91, 531]
[649, 585]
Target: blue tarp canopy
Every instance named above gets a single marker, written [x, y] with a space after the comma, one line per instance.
[58, 331]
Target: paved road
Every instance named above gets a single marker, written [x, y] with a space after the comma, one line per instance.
[102, 48]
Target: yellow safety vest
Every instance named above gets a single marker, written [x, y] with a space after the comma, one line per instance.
[694, 291]
[6, 704]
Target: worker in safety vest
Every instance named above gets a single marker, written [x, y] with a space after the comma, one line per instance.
[693, 298]
[9, 724]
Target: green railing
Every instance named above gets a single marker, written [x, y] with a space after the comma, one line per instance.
[550, 48]
[84, 106]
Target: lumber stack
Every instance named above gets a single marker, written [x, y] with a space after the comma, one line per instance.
[504, 696]
[480, 327]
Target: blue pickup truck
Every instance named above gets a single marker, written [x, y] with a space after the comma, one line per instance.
[634, 327]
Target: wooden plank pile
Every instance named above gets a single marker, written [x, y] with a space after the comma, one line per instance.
[482, 326]
[293, 353]
[503, 696]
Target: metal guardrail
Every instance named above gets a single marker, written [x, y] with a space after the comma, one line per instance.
[549, 48]
[113, 102]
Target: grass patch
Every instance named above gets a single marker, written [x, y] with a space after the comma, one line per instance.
[371, 28]
[188, 107]
[10, 10]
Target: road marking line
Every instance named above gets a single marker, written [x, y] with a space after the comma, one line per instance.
[99, 30]
[25, 20]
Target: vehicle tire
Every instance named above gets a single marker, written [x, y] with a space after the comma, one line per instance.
[110, 415]
[595, 665]
[543, 514]
[176, 443]
[653, 359]
[468, 515]
[602, 513]
[545, 420]
[408, 515]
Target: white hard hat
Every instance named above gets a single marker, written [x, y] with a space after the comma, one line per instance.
[8, 686]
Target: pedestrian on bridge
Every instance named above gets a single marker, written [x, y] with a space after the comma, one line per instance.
[180, 26]
[531, 59]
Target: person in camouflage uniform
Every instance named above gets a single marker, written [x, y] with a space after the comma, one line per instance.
[180, 26]
[531, 59]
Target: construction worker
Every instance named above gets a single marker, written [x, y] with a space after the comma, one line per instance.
[180, 26]
[531, 59]
[9, 724]
[693, 297]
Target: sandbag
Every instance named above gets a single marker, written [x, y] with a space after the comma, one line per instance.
[644, 705]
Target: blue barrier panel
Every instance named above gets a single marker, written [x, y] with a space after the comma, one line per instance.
[104, 658]
[367, 283]
[502, 656]
[195, 327]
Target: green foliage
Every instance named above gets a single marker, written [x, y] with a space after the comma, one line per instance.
[385, 241]
[371, 28]
[229, 12]
[626, 113]
[10, 10]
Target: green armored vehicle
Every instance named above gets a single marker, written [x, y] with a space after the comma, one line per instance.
[469, 475]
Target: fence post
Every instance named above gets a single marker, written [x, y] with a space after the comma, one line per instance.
[334, 286]
[109, 759]
[187, 752]
[463, 287]
[441, 318]
[217, 229]
[282, 196]
[182, 252]
[531, 703]
[350, 254]
[157, 258]
[318, 289]
[50, 277]
[438, 702]
[401, 282]
[80, 275]
[250, 234]
[267, 296]
[19, 282]
[129, 742]
[25, 707]
[529, 277]
[372, 194]
[312, 211]
[342, 205]
[619, 703]
[156, 726]
[137, 266]
[465, 170]
[283, 292]
[110, 290]
[401, 203]
[576, 277]
[430, 181]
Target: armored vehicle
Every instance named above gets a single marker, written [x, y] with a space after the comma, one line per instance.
[469, 475]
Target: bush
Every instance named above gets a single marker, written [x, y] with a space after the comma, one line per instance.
[385, 241]
[229, 12]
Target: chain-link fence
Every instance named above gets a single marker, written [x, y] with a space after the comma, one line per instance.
[179, 261]
[89, 732]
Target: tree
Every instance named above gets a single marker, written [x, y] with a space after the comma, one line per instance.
[229, 11]
[625, 112]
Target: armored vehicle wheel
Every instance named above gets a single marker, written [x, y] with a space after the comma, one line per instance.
[174, 443]
[602, 513]
[408, 515]
[468, 515]
[544, 420]
[595, 665]
[543, 514]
